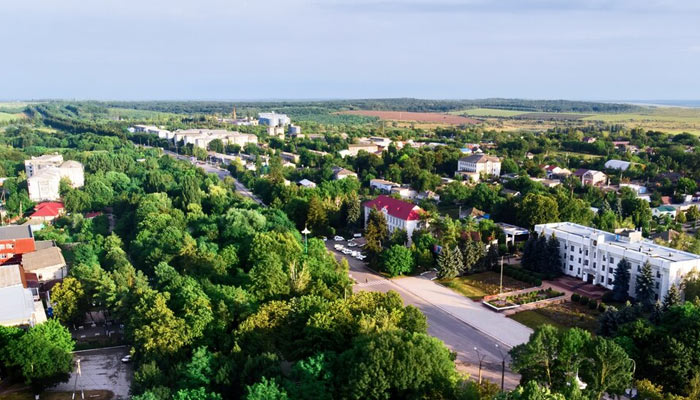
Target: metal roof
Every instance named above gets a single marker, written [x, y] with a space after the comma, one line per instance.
[15, 232]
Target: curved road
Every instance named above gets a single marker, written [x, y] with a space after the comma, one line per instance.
[457, 335]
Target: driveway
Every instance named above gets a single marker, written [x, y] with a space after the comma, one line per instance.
[101, 369]
[457, 335]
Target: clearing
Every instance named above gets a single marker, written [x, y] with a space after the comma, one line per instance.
[476, 286]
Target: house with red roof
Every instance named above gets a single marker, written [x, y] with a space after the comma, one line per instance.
[48, 211]
[399, 214]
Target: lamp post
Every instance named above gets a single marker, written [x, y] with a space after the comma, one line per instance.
[306, 232]
[503, 367]
[500, 288]
[481, 360]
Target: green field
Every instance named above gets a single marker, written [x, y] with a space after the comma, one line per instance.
[9, 117]
[488, 112]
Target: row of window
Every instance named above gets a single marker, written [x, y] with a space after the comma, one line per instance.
[7, 246]
[4, 256]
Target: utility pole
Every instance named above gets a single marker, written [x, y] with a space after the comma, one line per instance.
[503, 367]
[500, 288]
[481, 360]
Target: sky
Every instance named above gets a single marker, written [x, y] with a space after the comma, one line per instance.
[332, 49]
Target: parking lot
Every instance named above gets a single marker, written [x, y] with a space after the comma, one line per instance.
[101, 369]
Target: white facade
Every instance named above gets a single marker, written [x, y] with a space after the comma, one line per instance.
[273, 119]
[592, 256]
[480, 164]
[202, 137]
[382, 185]
[44, 176]
[617, 164]
[394, 223]
[153, 130]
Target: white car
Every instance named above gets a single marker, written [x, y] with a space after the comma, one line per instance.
[361, 257]
[346, 251]
[338, 238]
[126, 358]
[339, 247]
[357, 235]
[324, 238]
[352, 244]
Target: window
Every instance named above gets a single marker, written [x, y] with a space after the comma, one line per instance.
[594, 265]
[585, 262]
[572, 247]
[571, 267]
[3, 256]
[579, 260]
[610, 269]
[603, 257]
[658, 274]
[580, 250]
[579, 272]
[586, 252]
[609, 281]
[657, 285]
[612, 260]
[571, 258]
[639, 268]
[601, 279]
[10, 245]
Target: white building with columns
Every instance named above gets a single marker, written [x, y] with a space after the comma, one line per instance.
[592, 255]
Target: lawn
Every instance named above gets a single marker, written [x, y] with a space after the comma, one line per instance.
[89, 394]
[481, 284]
[561, 316]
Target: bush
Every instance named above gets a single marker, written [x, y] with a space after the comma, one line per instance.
[575, 297]
[602, 307]
[537, 282]
[592, 305]
[608, 296]
[583, 300]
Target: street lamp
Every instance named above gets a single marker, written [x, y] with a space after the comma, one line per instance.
[306, 232]
[503, 367]
[481, 360]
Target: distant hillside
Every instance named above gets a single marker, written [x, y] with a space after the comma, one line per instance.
[402, 104]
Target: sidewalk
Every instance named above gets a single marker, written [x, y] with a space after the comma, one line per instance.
[495, 325]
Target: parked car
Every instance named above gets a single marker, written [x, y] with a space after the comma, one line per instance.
[324, 238]
[339, 247]
[346, 251]
[352, 244]
[338, 238]
[357, 235]
[126, 358]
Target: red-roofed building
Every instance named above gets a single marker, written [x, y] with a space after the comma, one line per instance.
[48, 210]
[399, 214]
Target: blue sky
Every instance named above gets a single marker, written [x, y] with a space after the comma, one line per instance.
[300, 49]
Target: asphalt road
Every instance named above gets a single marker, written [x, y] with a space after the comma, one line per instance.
[220, 172]
[101, 369]
[457, 335]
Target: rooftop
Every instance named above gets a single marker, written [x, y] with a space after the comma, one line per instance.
[42, 258]
[642, 246]
[15, 232]
[16, 305]
[480, 158]
[48, 209]
[10, 275]
[396, 208]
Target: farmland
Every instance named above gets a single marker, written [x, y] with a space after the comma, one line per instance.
[427, 117]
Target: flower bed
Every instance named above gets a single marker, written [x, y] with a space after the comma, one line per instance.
[514, 301]
[531, 297]
[500, 304]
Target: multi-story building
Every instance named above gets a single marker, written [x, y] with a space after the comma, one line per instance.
[354, 149]
[15, 240]
[480, 164]
[153, 130]
[399, 214]
[202, 137]
[44, 176]
[273, 119]
[592, 255]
